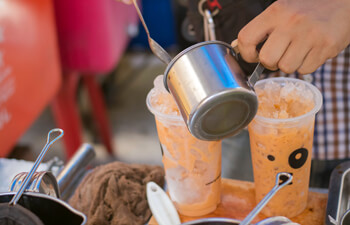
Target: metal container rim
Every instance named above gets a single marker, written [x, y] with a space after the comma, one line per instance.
[213, 220]
[183, 52]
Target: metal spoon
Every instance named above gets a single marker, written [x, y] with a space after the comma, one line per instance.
[155, 47]
[267, 198]
[48, 144]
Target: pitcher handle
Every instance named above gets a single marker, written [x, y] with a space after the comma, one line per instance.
[254, 77]
[234, 45]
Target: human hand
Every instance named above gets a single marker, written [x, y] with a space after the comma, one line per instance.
[300, 34]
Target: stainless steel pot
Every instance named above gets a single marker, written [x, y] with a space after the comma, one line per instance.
[216, 99]
[50, 210]
[40, 201]
[62, 187]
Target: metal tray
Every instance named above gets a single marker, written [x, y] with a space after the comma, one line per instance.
[339, 194]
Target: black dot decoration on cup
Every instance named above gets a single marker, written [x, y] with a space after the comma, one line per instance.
[298, 158]
[271, 157]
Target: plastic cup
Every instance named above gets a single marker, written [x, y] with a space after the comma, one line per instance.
[192, 166]
[284, 145]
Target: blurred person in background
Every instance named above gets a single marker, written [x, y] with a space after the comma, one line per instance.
[305, 39]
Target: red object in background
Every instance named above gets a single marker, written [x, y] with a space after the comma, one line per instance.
[92, 37]
[29, 66]
[92, 34]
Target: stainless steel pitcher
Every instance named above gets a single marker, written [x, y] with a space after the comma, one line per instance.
[215, 97]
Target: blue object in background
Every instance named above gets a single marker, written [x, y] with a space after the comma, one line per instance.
[160, 20]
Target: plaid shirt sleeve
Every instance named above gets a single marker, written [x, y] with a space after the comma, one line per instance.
[332, 124]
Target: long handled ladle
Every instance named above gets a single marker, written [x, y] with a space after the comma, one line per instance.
[155, 47]
[267, 197]
[26, 181]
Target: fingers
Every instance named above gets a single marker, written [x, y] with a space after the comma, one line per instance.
[294, 56]
[273, 49]
[261, 26]
[297, 37]
[312, 61]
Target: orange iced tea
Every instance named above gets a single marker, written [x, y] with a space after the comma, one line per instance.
[192, 166]
[281, 137]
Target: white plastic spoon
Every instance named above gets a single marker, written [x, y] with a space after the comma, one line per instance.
[161, 206]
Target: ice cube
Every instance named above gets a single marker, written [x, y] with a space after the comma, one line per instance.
[177, 174]
[161, 99]
[159, 84]
[282, 102]
[200, 167]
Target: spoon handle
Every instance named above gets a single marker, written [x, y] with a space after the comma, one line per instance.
[161, 206]
[155, 47]
[141, 17]
[267, 198]
[48, 144]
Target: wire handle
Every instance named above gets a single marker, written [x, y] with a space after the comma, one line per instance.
[26, 181]
[269, 195]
